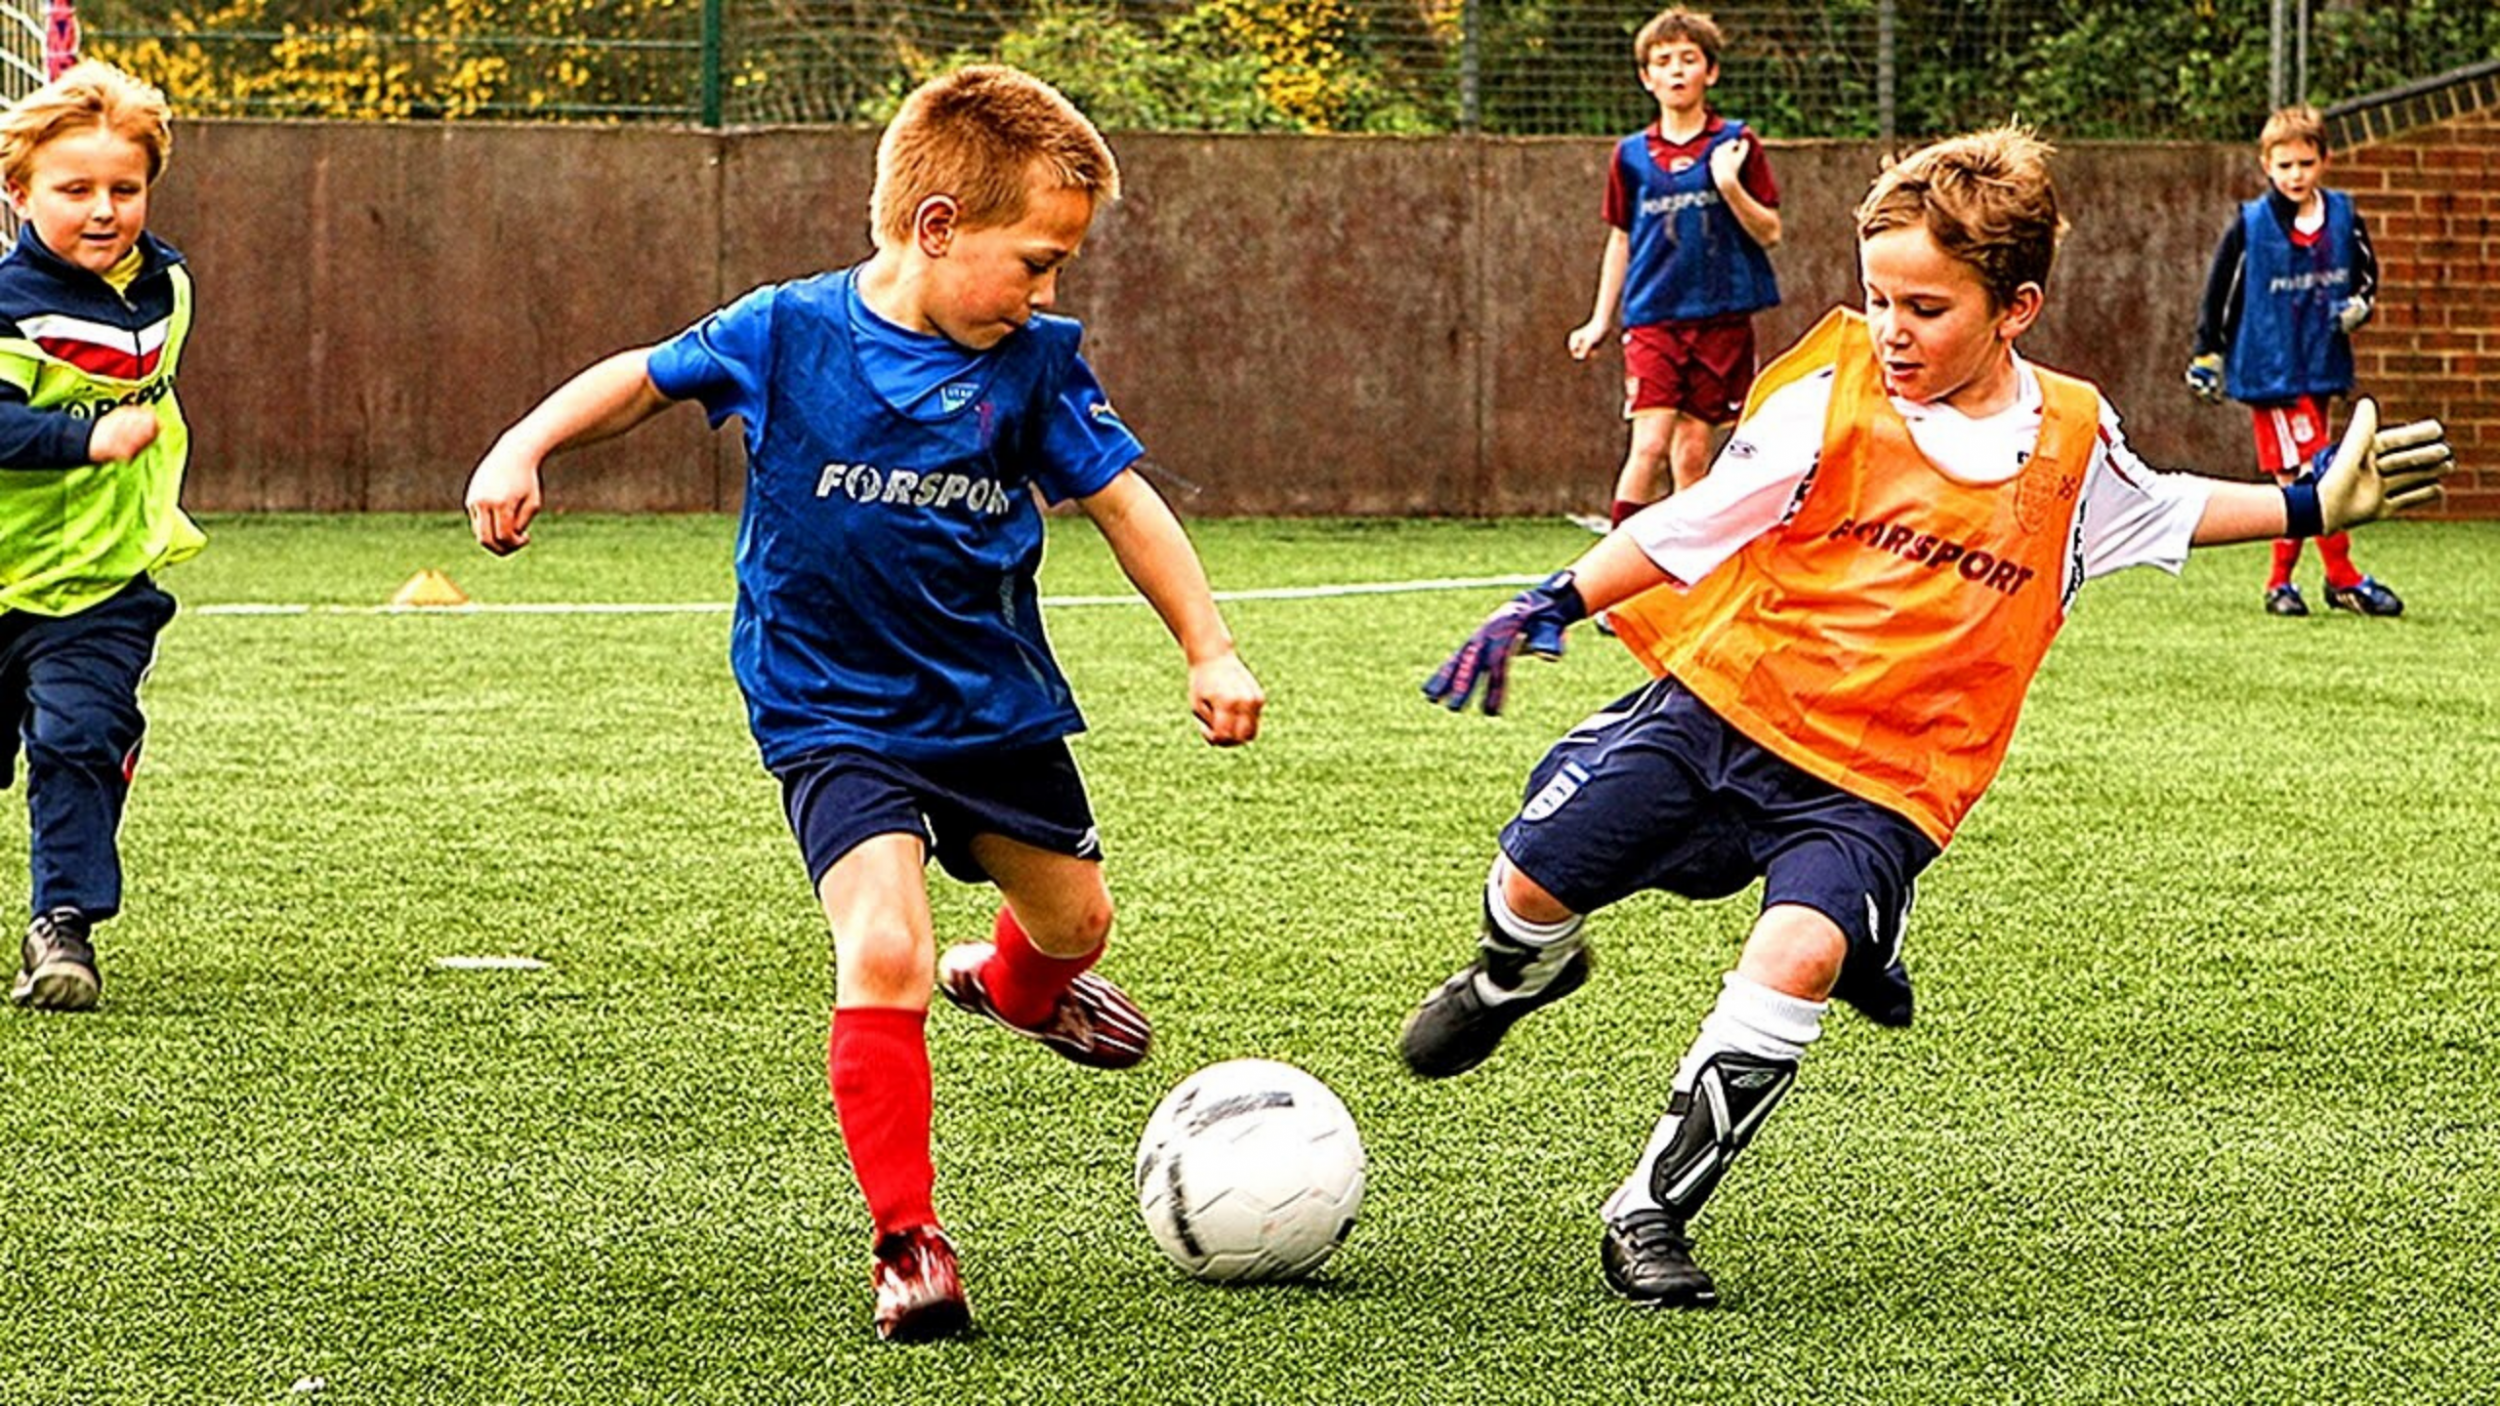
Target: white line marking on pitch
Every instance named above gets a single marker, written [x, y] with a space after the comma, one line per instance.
[1357, 588]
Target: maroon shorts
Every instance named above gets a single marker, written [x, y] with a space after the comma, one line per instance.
[2289, 432]
[1701, 368]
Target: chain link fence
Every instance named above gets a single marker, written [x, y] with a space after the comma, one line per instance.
[2202, 69]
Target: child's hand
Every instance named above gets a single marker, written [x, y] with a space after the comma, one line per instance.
[503, 497]
[1226, 700]
[1533, 620]
[2350, 314]
[1726, 160]
[2379, 473]
[2204, 378]
[120, 434]
[1586, 336]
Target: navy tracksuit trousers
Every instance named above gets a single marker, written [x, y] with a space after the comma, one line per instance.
[69, 689]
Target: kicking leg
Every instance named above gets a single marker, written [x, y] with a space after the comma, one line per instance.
[1529, 954]
[1033, 976]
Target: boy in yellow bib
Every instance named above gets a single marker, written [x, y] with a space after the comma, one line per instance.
[1844, 617]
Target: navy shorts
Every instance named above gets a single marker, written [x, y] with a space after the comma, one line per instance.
[1033, 795]
[1657, 792]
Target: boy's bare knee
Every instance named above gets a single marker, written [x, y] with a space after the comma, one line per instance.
[1796, 950]
[1080, 929]
[881, 965]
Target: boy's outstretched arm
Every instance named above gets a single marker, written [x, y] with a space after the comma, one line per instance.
[1156, 555]
[2373, 474]
[604, 401]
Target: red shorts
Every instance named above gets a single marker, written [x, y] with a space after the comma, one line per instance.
[2288, 433]
[1701, 368]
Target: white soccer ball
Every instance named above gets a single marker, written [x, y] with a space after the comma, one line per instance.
[1249, 1170]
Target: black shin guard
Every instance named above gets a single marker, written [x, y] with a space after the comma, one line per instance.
[1522, 967]
[1729, 1099]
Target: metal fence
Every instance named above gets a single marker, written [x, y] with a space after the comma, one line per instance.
[2208, 69]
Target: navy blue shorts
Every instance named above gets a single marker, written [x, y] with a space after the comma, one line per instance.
[1033, 795]
[1657, 792]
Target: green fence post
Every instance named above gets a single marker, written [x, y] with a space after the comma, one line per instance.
[711, 63]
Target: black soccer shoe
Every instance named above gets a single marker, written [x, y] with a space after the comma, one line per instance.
[2365, 597]
[57, 969]
[1456, 1029]
[1882, 996]
[1649, 1259]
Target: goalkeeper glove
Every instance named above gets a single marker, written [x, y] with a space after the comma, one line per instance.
[1533, 619]
[2374, 474]
[2350, 314]
[2204, 378]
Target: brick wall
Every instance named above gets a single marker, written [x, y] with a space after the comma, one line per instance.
[2423, 165]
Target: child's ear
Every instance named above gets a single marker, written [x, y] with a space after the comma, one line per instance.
[2020, 311]
[933, 225]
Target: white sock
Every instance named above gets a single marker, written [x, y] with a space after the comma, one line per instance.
[1555, 943]
[1750, 1019]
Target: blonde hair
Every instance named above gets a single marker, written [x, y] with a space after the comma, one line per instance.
[2297, 123]
[985, 135]
[87, 95]
[1667, 26]
[1986, 199]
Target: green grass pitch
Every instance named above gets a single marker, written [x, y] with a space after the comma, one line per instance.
[2199, 1108]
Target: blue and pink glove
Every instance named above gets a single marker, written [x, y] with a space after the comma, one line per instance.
[1534, 620]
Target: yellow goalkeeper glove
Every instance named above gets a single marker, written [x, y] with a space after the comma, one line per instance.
[2378, 473]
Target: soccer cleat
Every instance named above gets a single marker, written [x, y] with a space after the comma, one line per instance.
[1456, 1028]
[57, 964]
[920, 1292]
[1882, 997]
[2365, 597]
[1095, 1023]
[1649, 1259]
[2285, 600]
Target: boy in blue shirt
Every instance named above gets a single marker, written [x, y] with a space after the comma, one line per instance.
[2292, 279]
[1692, 212]
[94, 314]
[899, 416]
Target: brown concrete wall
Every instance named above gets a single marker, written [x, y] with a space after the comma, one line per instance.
[1294, 325]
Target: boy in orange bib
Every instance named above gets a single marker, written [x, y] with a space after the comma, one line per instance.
[1844, 617]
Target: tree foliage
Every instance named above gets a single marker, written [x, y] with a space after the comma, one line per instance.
[1795, 68]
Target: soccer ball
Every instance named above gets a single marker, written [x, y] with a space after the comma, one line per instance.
[1249, 1170]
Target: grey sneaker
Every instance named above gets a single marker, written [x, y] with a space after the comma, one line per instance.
[1095, 1023]
[1456, 1028]
[57, 964]
[1649, 1259]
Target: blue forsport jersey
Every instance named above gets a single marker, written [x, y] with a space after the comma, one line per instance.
[887, 551]
[1688, 257]
[2289, 344]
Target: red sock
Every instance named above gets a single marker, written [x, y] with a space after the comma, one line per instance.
[877, 1062]
[2335, 549]
[2286, 553]
[1624, 508]
[1024, 982]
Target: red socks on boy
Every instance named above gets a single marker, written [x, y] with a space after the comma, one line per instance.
[1024, 982]
[877, 1062]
